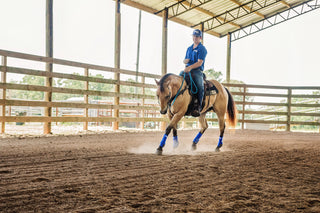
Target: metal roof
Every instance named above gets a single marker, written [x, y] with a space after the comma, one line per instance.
[221, 17]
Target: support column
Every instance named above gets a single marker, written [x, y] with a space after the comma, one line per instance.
[4, 92]
[228, 58]
[164, 52]
[117, 42]
[164, 41]
[202, 30]
[49, 53]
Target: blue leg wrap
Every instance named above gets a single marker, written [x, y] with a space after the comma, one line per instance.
[220, 142]
[175, 142]
[163, 141]
[197, 138]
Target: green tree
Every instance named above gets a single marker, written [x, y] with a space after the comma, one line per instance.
[100, 87]
[28, 95]
[212, 74]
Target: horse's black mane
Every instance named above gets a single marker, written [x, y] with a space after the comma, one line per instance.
[162, 80]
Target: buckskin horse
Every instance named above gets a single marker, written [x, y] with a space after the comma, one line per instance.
[176, 100]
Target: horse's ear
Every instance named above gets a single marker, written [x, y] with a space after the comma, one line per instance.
[157, 82]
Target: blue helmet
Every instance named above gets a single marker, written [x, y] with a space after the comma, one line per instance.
[197, 33]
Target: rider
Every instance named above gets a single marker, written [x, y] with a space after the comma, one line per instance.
[194, 60]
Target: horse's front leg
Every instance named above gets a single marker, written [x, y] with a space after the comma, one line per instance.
[175, 133]
[175, 136]
[173, 124]
[204, 126]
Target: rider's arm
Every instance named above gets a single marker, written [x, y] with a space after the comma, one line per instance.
[195, 65]
[187, 57]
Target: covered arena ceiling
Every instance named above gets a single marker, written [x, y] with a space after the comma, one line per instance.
[239, 18]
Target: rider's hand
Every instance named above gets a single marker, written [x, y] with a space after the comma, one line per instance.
[185, 61]
[187, 69]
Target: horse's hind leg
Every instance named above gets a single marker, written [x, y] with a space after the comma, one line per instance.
[222, 126]
[204, 126]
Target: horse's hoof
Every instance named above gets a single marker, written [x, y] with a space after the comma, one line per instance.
[217, 149]
[194, 147]
[159, 151]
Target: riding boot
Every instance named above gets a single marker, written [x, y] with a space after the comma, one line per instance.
[197, 111]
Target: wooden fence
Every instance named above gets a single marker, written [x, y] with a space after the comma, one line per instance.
[287, 106]
[86, 92]
[242, 93]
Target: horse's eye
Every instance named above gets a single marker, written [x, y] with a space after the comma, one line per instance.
[168, 96]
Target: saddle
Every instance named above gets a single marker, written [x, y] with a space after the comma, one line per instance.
[209, 89]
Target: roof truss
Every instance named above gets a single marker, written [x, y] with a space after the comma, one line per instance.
[183, 6]
[236, 13]
[275, 19]
[238, 19]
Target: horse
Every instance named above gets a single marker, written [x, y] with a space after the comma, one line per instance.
[174, 100]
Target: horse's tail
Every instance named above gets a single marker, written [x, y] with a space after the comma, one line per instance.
[232, 110]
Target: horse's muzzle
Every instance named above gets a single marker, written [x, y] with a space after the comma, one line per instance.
[164, 111]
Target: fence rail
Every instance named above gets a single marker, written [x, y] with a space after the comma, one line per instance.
[247, 106]
[283, 108]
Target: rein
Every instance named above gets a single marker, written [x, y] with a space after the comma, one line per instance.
[180, 92]
[192, 83]
[171, 102]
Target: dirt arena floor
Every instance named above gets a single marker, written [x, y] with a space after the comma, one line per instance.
[256, 171]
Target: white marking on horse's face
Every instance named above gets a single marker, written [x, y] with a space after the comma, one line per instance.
[163, 98]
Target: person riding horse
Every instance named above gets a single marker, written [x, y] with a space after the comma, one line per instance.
[194, 60]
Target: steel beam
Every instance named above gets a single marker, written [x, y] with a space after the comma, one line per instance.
[246, 7]
[183, 6]
[175, 19]
[237, 13]
[274, 19]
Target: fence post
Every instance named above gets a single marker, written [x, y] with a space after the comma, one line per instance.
[86, 99]
[4, 80]
[143, 103]
[49, 53]
[163, 124]
[243, 105]
[117, 49]
[289, 109]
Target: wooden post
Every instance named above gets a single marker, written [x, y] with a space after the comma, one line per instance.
[164, 41]
[57, 113]
[202, 30]
[117, 61]
[228, 57]
[289, 110]
[244, 105]
[4, 93]
[86, 99]
[49, 53]
[164, 52]
[143, 103]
